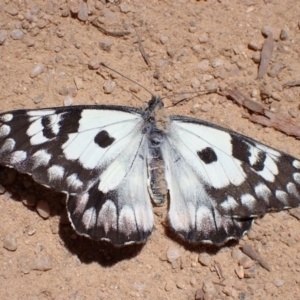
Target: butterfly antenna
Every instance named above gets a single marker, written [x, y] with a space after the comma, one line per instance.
[184, 95]
[107, 67]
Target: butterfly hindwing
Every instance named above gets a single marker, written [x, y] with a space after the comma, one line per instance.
[219, 180]
[94, 155]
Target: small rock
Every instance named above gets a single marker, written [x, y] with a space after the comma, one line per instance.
[203, 38]
[109, 86]
[94, 65]
[256, 57]
[255, 45]
[30, 43]
[36, 71]
[106, 44]
[7, 195]
[192, 29]
[284, 34]
[134, 88]
[173, 253]
[206, 107]
[193, 281]
[217, 62]
[12, 11]
[203, 65]
[78, 82]
[204, 259]
[17, 34]
[278, 282]
[83, 11]
[246, 262]
[169, 286]
[68, 100]
[267, 30]
[73, 6]
[124, 8]
[38, 98]
[209, 288]
[163, 39]
[199, 295]
[43, 209]
[251, 272]
[276, 68]
[41, 263]
[10, 243]
[240, 272]
[3, 36]
[293, 113]
[30, 230]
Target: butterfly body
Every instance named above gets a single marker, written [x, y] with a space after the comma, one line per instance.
[111, 161]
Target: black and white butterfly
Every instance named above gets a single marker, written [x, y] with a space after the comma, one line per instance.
[112, 160]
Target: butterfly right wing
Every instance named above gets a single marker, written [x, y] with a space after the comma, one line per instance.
[93, 154]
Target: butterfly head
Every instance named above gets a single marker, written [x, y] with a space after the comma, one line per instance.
[155, 104]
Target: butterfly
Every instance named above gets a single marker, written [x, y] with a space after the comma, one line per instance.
[112, 162]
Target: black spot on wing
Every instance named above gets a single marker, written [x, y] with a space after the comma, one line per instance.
[47, 131]
[103, 139]
[240, 149]
[260, 162]
[69, 122]
[207, 155]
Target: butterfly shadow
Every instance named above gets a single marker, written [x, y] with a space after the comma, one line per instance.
[21, 187]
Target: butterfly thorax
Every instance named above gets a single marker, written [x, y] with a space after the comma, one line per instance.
[157, 125]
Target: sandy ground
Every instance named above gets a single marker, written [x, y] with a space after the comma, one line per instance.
[191, 45]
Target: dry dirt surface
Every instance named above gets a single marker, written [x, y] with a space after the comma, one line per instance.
[50, 53]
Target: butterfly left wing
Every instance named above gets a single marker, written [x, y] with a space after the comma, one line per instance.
[93, 154]
[219, 180]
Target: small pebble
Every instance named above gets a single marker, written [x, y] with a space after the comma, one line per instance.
[30, 230]
[204, 259]
[38, 98]
[12, 11]
[10, 243]
[43, 209]
[169, 286]
[68, 100]
[203, 38]
[109, 86]
[203, 65]
[199, 294]
[217, 62]
[30, 43]
[246, 262]
[192, 29]
[250, 273]
[293, 113]
[239, 272]
[41, 263]
[284, 34]
[134, 88]
[36, 71]
[3, 36]
[173, 253]
[106, 44]
[267, 30]
[83, 11]
[7, 195]
[94, 64]
[279, 282]
[163, 39]
[206, 107]
[124, 8]
[17, 34]
[255, 45]
[209, 289]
